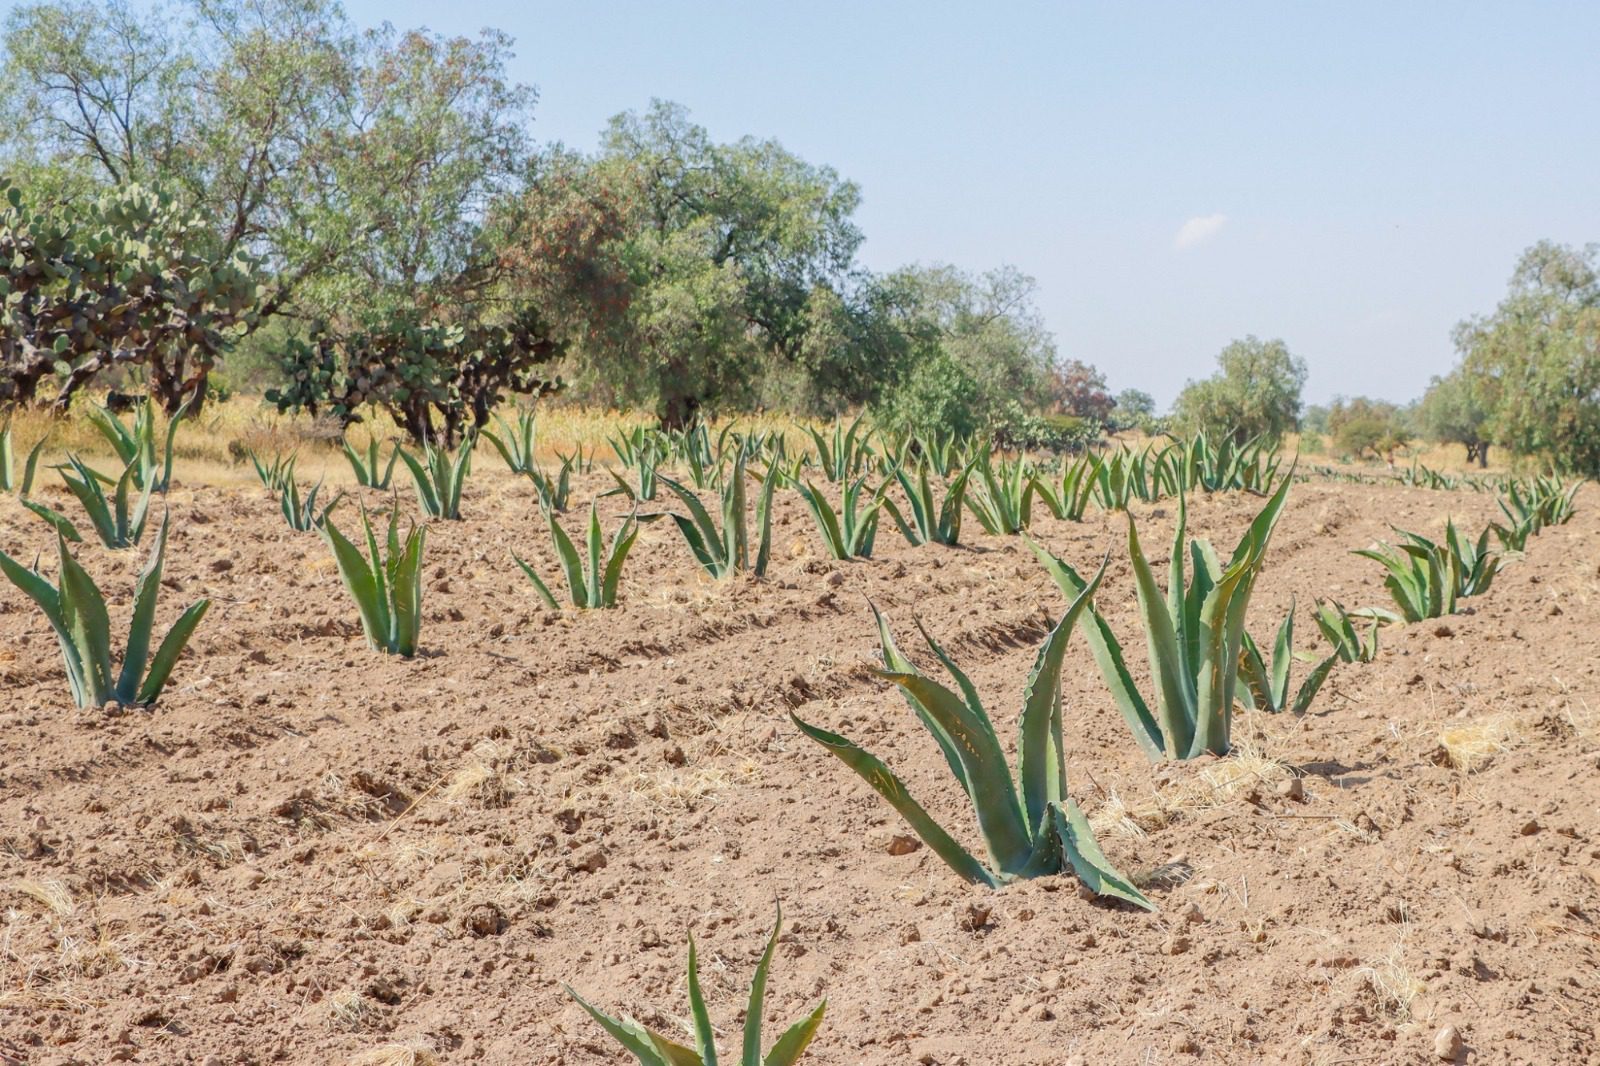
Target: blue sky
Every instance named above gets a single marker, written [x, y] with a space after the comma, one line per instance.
[1354, 178]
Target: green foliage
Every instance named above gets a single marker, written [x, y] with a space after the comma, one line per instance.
[1030, 826]
[516, 446]
[1267, 682]
[1195, 631]
[366, 468]
[1361, 426]
[439, 477]
[1255, 393]
[846, 453]
[136, 445]
[124, 278]
[1339, 627]
[9, 481]
[1453, 411]
[849, 532]
[593, 585]
[437, 380]
[726, 551]
[653, 1048]
[1534, 364]
[386, 584]
[932, 521]
[302, 515]
[1426, 578]
[555, 490]
[119, 521]
[275, 474]
[77, 612]
[1003, 502]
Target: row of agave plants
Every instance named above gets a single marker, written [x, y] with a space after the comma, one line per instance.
[1203, 661]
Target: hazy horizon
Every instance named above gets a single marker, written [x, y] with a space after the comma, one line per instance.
[1355, 181]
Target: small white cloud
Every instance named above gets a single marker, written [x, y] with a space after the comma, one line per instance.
[1198, 230]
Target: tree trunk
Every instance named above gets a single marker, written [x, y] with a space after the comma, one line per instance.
[1483, 455]
[678, 412]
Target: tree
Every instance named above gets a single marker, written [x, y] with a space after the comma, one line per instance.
[125, 278]
[1255, 393]
[1535, 363]
[358, 168]
[975, 342]
[1451, 412]
[1079, 389]
[732, 259]
[1133, 409]
[1361, 425]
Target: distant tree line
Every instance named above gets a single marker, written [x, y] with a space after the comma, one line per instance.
[258, 194]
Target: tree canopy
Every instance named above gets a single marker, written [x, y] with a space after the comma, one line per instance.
[1254, 393]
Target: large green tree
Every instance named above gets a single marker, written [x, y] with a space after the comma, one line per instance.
[1535, 362]
[359, 168]
[730, 259]
[1452, 411]
[1254, 393]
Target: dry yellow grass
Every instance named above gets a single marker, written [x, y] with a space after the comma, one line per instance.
[1470, 745]
[408, 1054]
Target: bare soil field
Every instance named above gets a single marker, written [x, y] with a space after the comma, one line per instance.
[309, 852]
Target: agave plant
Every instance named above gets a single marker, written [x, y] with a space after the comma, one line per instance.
[515, 445]
[274, 473]
[1339, 627]
[849, 532]
[366, 468]
[386, 585]
[439, 477]
[1030, 826]
[1267, 682]
[119, 522]
[844, 454]
[653, 1048]
[555, 490]
[1427, 578]
[931, 522]
[136, 445]
[1077, 489]
[1003, 503]
[8, 469]
[1195, 632]
[302, 515]
[77, 611]
[596, 584]
[1548, 501]
[726, 551]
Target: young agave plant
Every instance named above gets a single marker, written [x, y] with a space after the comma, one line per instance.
[119, 522]
[849, 532]
[77, 611]
[1267, 683]
[302, 515]
[555, 490]
[1031, 826]
[1004, 503]
[1195, 632]
[726, 552]
[274, 473]
[137, 446]
[515, 445]
[8, 469]
[387, 586]
[439, 478]
[367, 468]
[1339, 626]
[1077, 489]
[1427, 578]
[843, 455]
[931, 522]
[596, 584]
[653, 1048]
